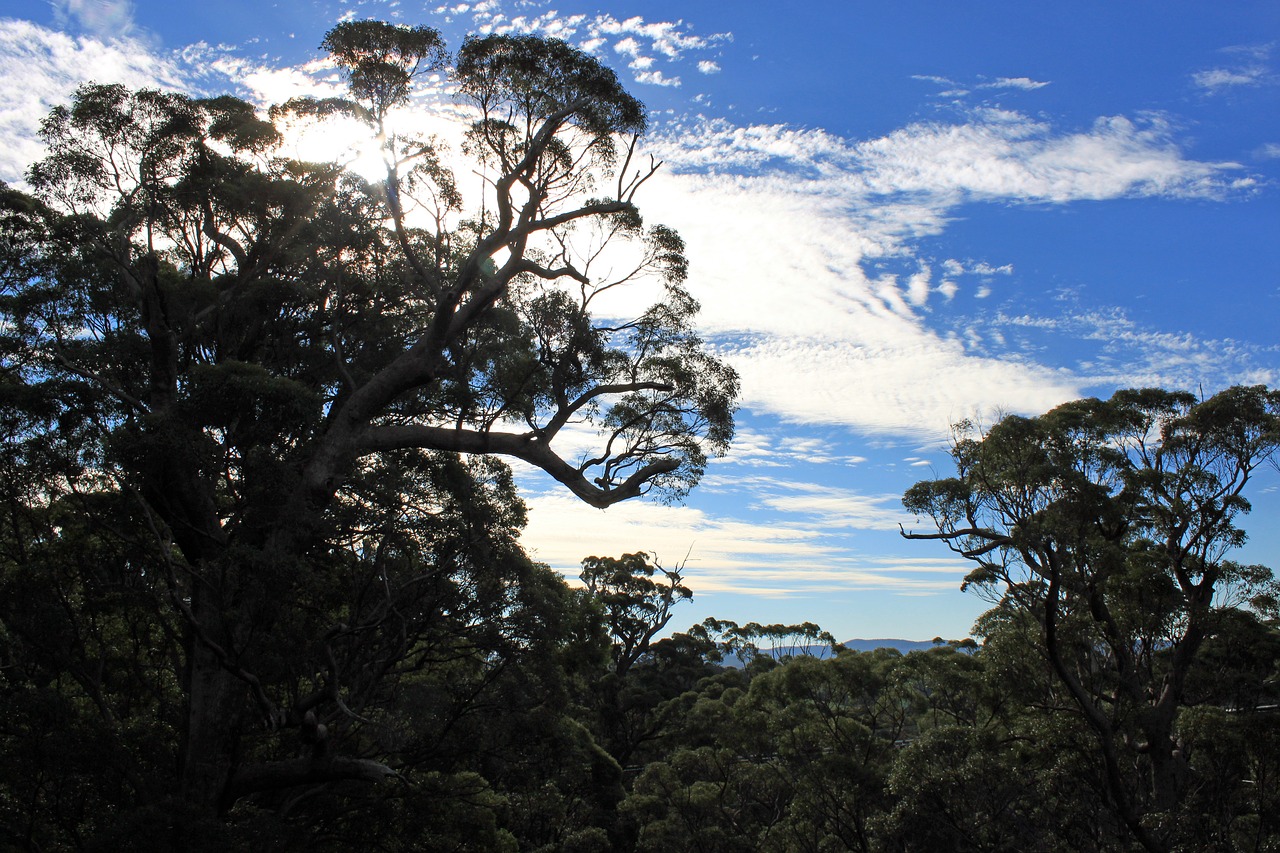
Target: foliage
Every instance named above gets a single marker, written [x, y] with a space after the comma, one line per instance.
[259, 560]
[1103, 528]
[261, 584]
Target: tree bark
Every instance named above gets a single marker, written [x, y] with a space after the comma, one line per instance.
[215, 705]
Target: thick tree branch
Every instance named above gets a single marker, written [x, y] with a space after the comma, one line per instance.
[527, 447]
[551, 274]
[280, 775]
[464, 315]
[993, 539]
[226, 241]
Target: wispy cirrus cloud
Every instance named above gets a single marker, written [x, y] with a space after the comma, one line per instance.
[948, 88]
[1215, 79]
[1002, 154]
[755, 449]
[1024, 83]
[109, 19]
[832, 508]
[993, 154]
[1248, 66]
[1126, 354]
[803, 549]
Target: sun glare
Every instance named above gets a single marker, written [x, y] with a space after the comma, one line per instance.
[351, 143]
[339, 140]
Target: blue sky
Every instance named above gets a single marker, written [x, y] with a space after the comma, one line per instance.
[898, 215]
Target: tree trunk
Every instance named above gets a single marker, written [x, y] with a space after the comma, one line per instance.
[215, 707]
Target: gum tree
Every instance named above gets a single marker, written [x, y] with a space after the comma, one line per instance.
[1105, 527]
[285, 393]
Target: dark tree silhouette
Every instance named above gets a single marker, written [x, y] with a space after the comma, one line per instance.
[253, 410]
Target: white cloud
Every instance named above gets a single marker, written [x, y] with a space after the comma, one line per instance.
[754, 449]
[831, 507]
[918, 386]
[1006, 155]
[803, 550]
[1025, 83]
[42, 68]
[1215, 79]
[265, 84]
[1249, 66]
[656, 78]
[1129, 355]
[950, 89]
[783, 226]
[706, 66]
[996, 154]
[918, 288]
[549, 24]
[671, 39]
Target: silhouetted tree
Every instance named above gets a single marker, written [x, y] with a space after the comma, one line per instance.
[1104, 528]
[253, 414]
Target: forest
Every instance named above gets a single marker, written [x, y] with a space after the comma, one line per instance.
[261, 579]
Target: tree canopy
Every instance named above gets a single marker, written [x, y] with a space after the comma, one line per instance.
[261, 581]
[1105, 529]
[255, 411]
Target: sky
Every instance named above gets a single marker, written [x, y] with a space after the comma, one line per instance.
[898, 215]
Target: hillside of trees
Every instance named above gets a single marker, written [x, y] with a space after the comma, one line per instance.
[261, 584]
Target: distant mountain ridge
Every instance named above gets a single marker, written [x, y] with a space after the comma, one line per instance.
[903, 646]
[823, 651]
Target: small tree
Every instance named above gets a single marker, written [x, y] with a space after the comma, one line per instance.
[636, 606]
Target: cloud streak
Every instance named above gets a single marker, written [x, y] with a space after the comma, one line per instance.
[1249, 68]
[108, 19]
[994, 155]
[805, 550]
[1024, 83]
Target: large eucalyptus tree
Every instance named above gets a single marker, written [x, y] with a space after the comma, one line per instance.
[254, 410]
